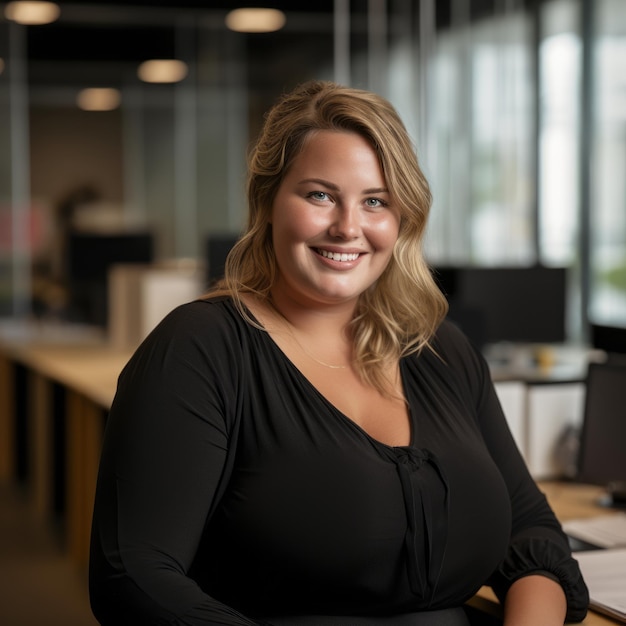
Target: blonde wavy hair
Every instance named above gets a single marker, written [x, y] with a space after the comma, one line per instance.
[400, 313]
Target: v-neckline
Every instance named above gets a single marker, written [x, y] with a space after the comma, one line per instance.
[307, 381]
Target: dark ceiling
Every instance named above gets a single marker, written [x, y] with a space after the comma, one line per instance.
[102, 40]
[132, 31]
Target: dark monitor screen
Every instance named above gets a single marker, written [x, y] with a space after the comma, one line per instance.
[89, 256]
[217, 248]
[602, 451]
[514, 304]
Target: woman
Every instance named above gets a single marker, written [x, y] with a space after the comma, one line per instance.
[311, 443]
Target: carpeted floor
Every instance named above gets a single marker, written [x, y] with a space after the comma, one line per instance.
[39, 586]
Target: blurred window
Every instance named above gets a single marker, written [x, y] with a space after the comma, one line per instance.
[560, 59]
[608, 179]
[480, 148]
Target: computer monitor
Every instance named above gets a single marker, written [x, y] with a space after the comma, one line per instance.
[602, 451]
[507, 304]
[89, 256]
[217, 248]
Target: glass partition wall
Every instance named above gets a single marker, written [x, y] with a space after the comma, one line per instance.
[20, 222]
[524, 170]
[6, 236]
[559, 167]
[480, 143]
[607, 160]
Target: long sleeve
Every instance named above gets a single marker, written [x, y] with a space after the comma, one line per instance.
[537, 544]
[164, 463]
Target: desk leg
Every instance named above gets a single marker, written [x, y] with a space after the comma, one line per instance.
[40, 448]
[7, 421]
[85, 427]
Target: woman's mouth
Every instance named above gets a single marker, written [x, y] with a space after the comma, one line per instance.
[338, 256]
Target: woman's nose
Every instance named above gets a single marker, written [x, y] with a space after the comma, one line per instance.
[346, 223]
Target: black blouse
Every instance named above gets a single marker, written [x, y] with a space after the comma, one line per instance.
[231, 491]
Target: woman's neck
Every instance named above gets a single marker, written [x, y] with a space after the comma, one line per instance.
[320, 333]
[313, 318]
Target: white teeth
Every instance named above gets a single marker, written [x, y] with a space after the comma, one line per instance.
[336, 256]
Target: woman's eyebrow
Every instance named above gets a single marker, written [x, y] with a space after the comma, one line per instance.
[321, 181]
[376, 190]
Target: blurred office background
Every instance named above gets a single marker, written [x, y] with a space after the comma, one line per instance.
[517, 109]
[518, 113]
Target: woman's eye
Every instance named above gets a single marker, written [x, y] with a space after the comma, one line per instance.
[318, 195]
[375, 203]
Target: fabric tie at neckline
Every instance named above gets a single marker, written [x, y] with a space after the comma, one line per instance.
[429, 550]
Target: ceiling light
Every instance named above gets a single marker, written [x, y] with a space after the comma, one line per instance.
[162, 71]
[32, 13]
[99, 99]
[255, 20]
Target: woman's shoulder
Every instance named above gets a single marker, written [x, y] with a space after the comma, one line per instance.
[204, 312]
[450, 340]
[456, 351]
[213, 323]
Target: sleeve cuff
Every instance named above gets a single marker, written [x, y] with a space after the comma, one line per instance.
[529, 556]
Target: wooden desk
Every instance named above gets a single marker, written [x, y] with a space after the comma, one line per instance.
[17, 340]
[569, 501]
[85, 367]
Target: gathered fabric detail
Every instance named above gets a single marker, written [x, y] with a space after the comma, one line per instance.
[533, 555]
[424, 510]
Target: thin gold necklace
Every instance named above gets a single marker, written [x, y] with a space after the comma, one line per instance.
[285, 322]
[332, 367]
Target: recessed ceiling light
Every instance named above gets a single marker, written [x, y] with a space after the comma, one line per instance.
[99, 99]
[255, 20]
[32, 13]
[162, 71]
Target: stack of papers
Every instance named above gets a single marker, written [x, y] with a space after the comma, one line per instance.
[604, 531]
[604, 569]
[604, 572]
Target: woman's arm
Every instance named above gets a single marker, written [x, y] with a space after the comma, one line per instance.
[535, 600]
[537, 544]
[165, 458]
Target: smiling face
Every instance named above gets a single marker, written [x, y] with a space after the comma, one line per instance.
[333, 222]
